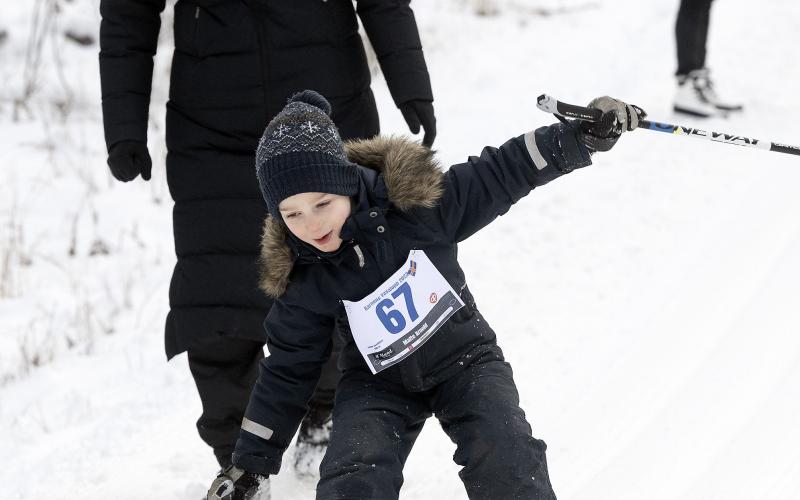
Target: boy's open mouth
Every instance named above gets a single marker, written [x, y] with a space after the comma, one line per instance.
[324, 239]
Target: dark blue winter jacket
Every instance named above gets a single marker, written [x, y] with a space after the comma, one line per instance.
[405, 202]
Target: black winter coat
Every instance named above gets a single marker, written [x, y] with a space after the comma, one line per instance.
[405, 203]
[235, 64]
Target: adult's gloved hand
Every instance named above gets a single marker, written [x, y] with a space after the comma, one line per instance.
[617, 117]
[233, 483]
[419, 112]
[127, 159]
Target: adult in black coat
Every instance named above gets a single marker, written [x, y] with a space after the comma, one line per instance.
[235, 64]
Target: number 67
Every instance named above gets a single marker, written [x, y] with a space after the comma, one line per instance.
[392, 319]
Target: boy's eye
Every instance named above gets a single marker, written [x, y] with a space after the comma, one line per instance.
[291, 215]
[323, 203]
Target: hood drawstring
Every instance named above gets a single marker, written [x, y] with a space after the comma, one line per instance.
[360, 255]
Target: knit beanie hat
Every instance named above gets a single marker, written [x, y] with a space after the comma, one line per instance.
[301, 152]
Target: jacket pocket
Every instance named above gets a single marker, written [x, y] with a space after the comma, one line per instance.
[226, 28]
[223, 28]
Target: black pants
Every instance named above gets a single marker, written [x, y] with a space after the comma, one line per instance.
[224, 372]
[691, 33]
[375, 424]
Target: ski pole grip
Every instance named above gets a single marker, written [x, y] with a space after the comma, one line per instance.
[221, 489]
[547, 104]
[552, 105]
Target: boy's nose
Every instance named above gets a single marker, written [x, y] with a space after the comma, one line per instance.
[313, 225]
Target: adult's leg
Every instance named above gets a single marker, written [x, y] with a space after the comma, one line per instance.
[691, 33]
[224, 370]
[375, 424]
[479, 410]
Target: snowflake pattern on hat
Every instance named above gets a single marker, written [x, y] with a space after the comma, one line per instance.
[299, 127]
[301, 151]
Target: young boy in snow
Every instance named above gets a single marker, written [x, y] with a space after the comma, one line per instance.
[366, 234]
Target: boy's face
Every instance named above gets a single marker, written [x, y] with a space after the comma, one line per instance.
[316, 218]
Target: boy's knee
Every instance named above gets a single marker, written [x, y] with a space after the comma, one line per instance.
[358, 480]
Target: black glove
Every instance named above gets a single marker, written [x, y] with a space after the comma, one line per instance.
[617, 117]
[127, 159]
[233, 483]
[419, 112]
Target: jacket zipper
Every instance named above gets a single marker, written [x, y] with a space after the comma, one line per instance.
[196, 29]
[261, 40]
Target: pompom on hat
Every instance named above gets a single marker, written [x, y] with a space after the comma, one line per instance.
[301, 152]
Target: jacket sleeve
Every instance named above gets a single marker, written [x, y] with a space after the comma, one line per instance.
[392, 30]
[128, 41]
[299, 343]
[485, 187]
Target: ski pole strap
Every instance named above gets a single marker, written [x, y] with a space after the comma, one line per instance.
[558, 108]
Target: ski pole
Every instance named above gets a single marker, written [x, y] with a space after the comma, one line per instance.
[551, 105]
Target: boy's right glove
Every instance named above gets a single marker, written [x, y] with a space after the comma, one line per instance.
[617, 117]
[233, 483]
[570, 144]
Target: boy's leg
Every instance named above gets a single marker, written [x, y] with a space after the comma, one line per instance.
[375, 424]
[479, 410]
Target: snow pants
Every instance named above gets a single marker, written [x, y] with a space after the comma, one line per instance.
[375, 424]
[691, 33]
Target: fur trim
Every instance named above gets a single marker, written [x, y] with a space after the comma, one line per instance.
[412, 176]
[411, 173]
[276, 260]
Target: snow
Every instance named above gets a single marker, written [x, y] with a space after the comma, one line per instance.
[648, 304]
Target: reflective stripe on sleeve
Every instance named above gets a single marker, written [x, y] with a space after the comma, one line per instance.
[533, 150]
[256, 428]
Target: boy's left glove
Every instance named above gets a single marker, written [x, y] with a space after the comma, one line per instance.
[234, 483]
[617, 117]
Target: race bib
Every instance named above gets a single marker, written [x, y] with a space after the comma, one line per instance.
[403, 313]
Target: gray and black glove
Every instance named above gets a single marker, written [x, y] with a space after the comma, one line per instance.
[127, 159]
[617, 117]
[419, 112]
[233, 483]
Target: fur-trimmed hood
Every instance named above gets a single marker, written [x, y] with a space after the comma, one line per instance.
[412, 177]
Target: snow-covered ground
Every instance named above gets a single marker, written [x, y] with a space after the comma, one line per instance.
[650, 304]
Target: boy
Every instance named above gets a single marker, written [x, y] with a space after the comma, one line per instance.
[369, 238]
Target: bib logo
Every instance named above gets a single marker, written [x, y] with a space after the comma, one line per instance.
[412, 270]
[434, 298]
